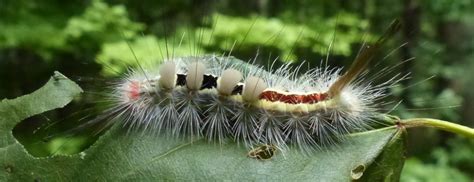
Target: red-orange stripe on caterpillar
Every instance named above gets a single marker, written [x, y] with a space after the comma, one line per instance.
[274, 96]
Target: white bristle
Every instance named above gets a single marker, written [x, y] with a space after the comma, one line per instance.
[167, 75]
[195, 75]
[253, 87]
[228, 80]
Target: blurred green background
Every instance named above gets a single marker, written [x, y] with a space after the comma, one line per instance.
[87, 41]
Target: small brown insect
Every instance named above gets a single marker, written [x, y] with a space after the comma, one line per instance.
[263, 152]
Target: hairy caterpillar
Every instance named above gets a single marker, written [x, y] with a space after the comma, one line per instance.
[221, 98]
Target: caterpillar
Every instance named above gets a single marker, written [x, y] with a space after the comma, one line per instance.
[220, 99]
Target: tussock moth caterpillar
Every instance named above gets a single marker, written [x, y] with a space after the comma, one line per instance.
[221, 98]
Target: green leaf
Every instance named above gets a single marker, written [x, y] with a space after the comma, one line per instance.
[58, 92]
[118, 155]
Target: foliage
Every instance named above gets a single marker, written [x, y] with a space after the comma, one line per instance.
[287, 38]
[101, 21]
[34, 33]
[446, 10]
[416, 171]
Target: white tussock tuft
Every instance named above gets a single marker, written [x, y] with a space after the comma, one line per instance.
[228, 80]
[253, 87]
[168, 75]
[195, 75]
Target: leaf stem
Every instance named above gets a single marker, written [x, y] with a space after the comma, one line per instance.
[443, 125]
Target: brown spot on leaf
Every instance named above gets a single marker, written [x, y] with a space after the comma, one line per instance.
[357, 172]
